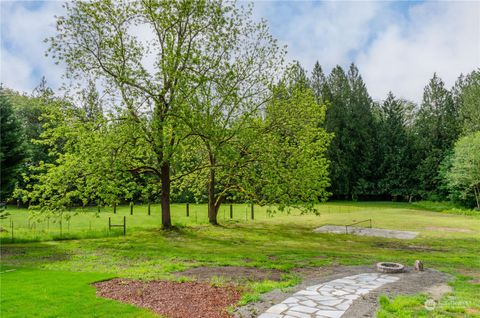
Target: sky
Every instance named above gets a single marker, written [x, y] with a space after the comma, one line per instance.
[397, 46]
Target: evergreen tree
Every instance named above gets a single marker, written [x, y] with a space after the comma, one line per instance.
[337, 122]
[466, 94]
[350, 118]
[396, 165]
[318, 84]
[298, 74]
[11, 148]
[436, 129]
[362, 133]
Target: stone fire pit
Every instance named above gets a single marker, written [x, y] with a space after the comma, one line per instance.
[387, 267]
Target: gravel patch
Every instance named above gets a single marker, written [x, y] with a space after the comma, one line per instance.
[365, 231]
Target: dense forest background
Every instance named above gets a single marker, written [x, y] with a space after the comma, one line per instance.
[381, 150]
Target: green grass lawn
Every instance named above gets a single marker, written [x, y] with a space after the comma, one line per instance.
[447, 242]
[28, 292]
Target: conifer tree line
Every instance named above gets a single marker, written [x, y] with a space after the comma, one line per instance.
[206, 110]
[395, 149]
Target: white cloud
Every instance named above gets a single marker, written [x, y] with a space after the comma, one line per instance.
[328, 31]
[396, 46]
[442, 37]
[23, 29]
[15, 72]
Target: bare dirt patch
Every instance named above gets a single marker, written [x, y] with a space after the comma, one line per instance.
[474, 274]
[16, 254]
[172, 299]
[406, 247]
[448, 229]
[236, 274]
[6, 251]
[470, 272]
[436, 291]
[306, 272]
[472, 311]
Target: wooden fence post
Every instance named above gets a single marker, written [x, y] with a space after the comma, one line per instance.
[252, 212]
[131, 208]
[148, 208]
[124, 225]
[11, 229]
[231, 211]
[115, 208]
[188, 209]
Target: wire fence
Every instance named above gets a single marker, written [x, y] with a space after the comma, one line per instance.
[23, 225]
[356, 223]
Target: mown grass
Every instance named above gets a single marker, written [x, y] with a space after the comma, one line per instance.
[28, 292]
[450, 243]
[31, 226]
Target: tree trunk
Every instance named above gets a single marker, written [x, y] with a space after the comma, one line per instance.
[212, 206]
[165, 178]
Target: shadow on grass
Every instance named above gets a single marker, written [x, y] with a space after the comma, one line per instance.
[33, 254]
[61, 237]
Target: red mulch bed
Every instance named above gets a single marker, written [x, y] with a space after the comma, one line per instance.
[172, 299]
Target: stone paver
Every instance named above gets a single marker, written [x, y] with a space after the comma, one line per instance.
[328, 300]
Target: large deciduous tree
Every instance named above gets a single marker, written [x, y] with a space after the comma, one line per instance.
[466, 93]
[154, 57]
[226, 104]
[81, 156]
[292, 164]
[464, 174]
[272, 151]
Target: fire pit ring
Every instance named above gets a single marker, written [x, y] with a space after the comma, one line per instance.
[387, 267]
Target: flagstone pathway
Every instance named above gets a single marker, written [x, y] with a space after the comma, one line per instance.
[328, 300]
